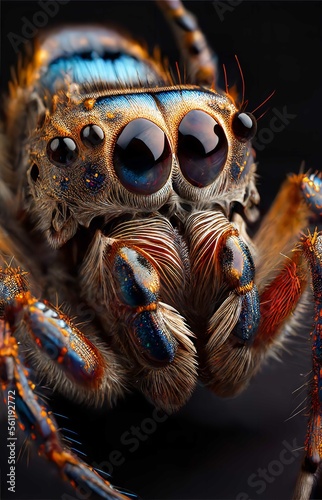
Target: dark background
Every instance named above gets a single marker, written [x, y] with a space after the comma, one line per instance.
[211, 447]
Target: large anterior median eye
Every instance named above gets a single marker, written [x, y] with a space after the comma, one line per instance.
[142, 157]
[62, 151]
[202, 148]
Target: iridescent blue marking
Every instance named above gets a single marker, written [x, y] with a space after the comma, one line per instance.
[318, 344]
[112, 68]
[248, 321]
[133, 272]
[10, 288]
[93, 179]
[152, 339]
[312, 190]
[248, 273]
[47, 311]
[33, 423]
[320, 389]
[5, 292]
[45, 326]
[249, 159]
[242, 168]
[237, 262]
[86, 478]
[235, 171]
[25, 415]
[123, 103]
[41, 306]
[64, 184]
[174, 97]
[29, 410]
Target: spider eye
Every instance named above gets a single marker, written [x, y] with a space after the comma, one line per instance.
[92, 135]
[142, 157]
[202, 148]
[62, 151]
[244, 126]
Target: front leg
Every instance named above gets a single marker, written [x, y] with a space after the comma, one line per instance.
[64, 357]
[56, 337]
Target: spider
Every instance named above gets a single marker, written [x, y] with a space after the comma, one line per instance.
[23, 261]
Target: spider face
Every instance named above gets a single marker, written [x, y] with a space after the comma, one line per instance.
[139, 151]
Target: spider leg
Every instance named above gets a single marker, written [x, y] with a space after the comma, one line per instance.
[295, 205]
[63, 354]
[311, 246]
[199, 59]
[39, 424]
[282, 275]
[69, 357]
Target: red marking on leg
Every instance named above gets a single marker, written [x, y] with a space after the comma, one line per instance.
[312, 249]
[279, 300]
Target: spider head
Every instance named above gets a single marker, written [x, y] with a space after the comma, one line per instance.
[109, 154]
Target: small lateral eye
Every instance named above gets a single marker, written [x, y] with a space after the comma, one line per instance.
[62, 151]
[202, 148]
[244, 126]
[142, 157]
[92, 135]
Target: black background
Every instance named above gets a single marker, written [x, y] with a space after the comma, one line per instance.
[211, 447]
